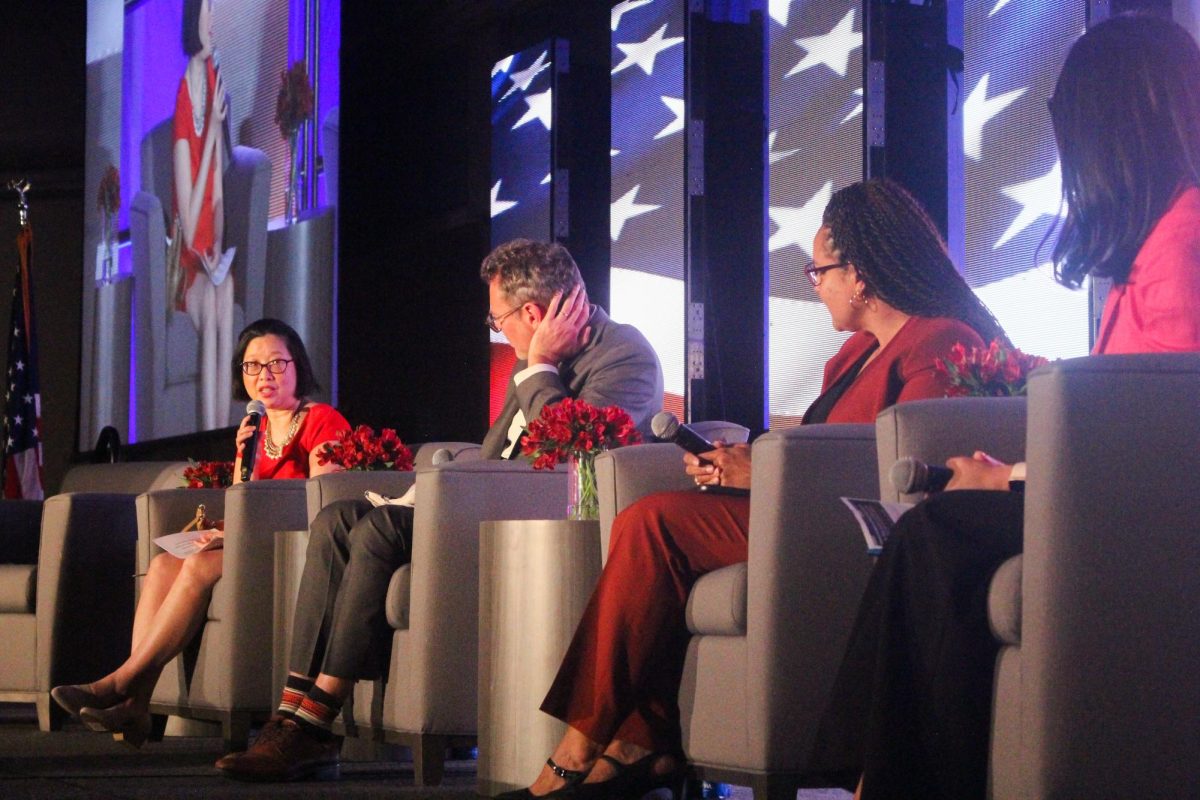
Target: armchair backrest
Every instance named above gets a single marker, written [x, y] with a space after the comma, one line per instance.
[932, 431]
[132, 477]
[1110, 589]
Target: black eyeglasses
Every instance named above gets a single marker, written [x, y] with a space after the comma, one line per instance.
[493, 322]
[814, 272]
[276, 366]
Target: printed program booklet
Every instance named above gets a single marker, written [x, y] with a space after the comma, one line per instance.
[876, 519]
[185, 543]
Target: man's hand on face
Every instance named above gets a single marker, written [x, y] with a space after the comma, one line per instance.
[563, 330]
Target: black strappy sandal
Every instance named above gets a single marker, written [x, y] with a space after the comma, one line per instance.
[573, 777]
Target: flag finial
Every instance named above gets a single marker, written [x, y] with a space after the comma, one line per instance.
[21, 186]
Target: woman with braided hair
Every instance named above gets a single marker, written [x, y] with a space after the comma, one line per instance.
[882, 271]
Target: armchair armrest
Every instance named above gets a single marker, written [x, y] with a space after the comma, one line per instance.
[20, 531]
[164, 511]
[807, 569]
[247, 185]
[627, 474]
[84, 586]
[459, 451]
[935, 430]
[325, 489]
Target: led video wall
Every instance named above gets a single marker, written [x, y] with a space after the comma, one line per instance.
[815, 143]
[522, 166]
[648, 254]
[211, 152]
[1014, 52]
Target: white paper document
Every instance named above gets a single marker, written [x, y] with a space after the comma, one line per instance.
[218, 274]
[409, 498]
[184, 544]
[876, 519]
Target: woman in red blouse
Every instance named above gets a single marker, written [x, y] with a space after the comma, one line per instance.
[881, 269]
[202, 289]
[270, 365]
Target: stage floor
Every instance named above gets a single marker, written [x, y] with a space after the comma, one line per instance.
[76, 763]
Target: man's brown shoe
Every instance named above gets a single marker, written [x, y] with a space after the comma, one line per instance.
[266, 733]
[286, 754]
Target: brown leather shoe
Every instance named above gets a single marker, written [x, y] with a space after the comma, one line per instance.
[269, 730]
[287, 754]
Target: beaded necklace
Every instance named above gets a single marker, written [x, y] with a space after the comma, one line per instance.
[273, 450]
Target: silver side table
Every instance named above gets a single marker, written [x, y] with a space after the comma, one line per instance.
[535, 579]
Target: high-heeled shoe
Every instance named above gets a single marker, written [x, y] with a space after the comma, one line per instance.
[127, 724]
[74, 698]
[633, 780]
[574, 783]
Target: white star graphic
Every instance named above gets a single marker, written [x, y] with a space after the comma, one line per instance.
[17, 420]
[798, 226]
[28, 398]
[643, 53]
[20, 366]
[523, 78]
[1039, 197]
[999, 5]
[778, 10]
[540, 108]
[777, 155]
[978, 109]
[854, 112]
[676, 125]
[10, 441]
[833, 49]
[500, 206]
[622, 8]
[502, 65]
[626, 209]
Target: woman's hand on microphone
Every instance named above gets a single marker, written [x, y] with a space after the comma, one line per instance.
[244, 432]
[980, 471]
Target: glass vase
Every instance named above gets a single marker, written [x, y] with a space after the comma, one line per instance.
[582, 499]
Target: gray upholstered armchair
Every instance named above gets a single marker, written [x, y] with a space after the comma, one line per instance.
[66, 589]
[165, 348]
[1096, 694]
[225, 675]
[430, 698]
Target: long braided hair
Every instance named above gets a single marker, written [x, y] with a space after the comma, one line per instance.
[881, 229]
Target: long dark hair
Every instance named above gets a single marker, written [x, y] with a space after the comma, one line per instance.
[1126, 114]
[306, 379]
[191, 27]
[897, 251]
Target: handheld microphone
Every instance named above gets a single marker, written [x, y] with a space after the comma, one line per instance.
[226, 126]
[908, 475]
[666, 427]
[256, 410]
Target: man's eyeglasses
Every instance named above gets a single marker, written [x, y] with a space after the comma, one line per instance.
[276, 366]
[493, 321]
[814, 273]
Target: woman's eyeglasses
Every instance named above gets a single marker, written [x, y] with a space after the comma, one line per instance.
[277, 366]
[814, 273]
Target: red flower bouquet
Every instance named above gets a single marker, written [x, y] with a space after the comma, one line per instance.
[574, 432]
[294, 103]
[995, 371]
[208, 474]
[361, 449]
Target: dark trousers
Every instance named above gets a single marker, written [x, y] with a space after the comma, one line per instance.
[621, 674]
[340, 626]
[911, 706]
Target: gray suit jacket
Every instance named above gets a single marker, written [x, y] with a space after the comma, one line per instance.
[616, 367]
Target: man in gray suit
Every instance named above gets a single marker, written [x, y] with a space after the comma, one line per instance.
[565, 347]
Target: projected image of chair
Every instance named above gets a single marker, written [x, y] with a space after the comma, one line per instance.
[166, 345]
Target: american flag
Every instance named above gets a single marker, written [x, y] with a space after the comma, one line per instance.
[22, 398]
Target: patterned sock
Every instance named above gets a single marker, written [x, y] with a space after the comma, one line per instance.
[294, 691]
[317, 712]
